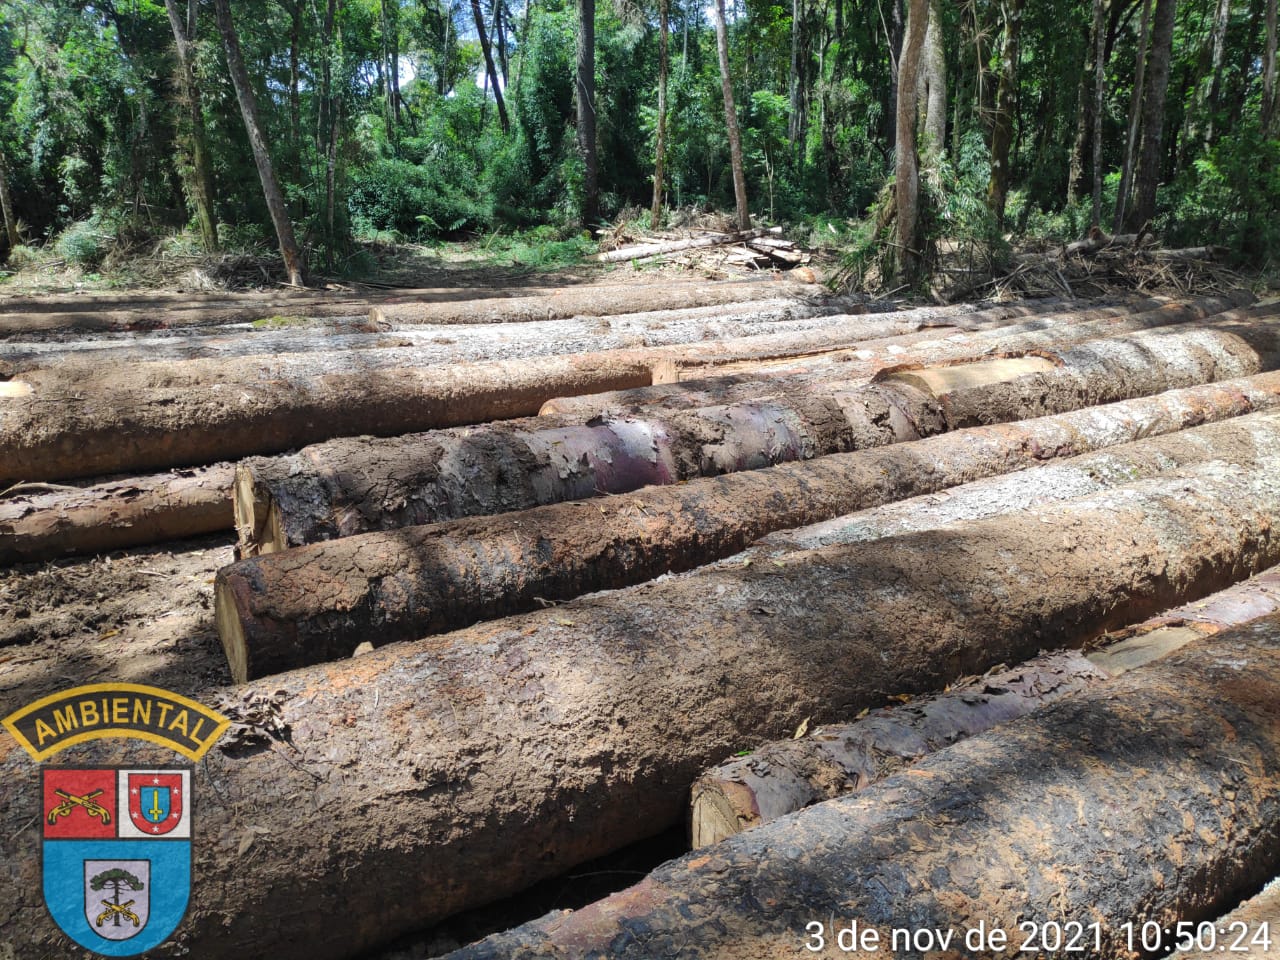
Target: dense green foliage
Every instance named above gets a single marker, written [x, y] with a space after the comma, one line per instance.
[96, 147]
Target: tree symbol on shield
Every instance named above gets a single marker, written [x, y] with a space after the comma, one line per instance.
[116, 911]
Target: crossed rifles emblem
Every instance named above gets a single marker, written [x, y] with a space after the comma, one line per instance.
[86, 803]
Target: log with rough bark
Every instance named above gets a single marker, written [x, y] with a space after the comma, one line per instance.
[864, 359]
[579, 302]
[507, 753]
[346, 487]
[319, 602]
[43, 523]
[1021, 825]
[784, 776]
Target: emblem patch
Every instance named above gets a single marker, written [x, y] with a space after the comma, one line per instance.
[117, 855]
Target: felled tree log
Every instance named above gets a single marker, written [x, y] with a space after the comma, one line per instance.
[349, 487]
[319, 602]
[784, 776]
[46, 523]
[585, 302]
[1248, 931]
[1020, 825]
[344, 487]
[506, 753]
[865, 359]
[644, 251]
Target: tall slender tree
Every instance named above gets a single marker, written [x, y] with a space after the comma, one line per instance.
[933, 82]
[201, 180]
[1099, 104]
[731, 120]
[1002, 125]
[1135, 117]
[655, 215]
[585, 97]
[1150, 157]
[490, 70]
[906, 179]
[1270, 115]
[6, 209]
[289, 250]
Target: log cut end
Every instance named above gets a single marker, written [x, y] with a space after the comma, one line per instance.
[15, 389]
[226, 616]
[940, 381]
[718, 811]
[258, 525]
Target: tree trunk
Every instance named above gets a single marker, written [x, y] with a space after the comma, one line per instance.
[289, 250]
[590, 302]
[319, 601]
[1270, 115]
[933, 85]
[490, 71]
[47, 524]
[984, 336]
[201, 179]
[895, 36]
[731, 119]
[1099, 104]
[1018, 826]
[1212, 100]
[351, 486]
[585, 98]
[1150, 158]
[6, 209]
[1002, 127]
[795, 129]
[655, 215]
[906, 183]
[488, 747]
[1135, 115]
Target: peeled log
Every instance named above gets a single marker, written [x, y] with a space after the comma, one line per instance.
[121, 513]
[673, 389]
[1243, 930]
[1026, 823]
[357, 486]
[509, 752]
[319, 602]
[787, 775]
[585, 302]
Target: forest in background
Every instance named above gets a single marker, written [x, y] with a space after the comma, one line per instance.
[319, 125]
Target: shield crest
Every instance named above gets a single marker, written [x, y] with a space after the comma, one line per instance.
[117, 855]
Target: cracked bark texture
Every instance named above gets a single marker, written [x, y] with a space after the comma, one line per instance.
[319, 602]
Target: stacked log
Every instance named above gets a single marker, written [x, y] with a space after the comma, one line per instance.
[676, 385]
[346, 487]
[1020, 830]
[42, 522]
[506, 753]
[319, 602]
[784, 776]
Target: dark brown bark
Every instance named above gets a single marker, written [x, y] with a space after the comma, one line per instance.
[320, 601]
[490, 71]
[584, 97]
[1151, 156]
[46, 524]
[1018, 825]
[593, 303]
[507, 753]
[201, 177]
[731, 119]
[906, 168]
[1135, 116]
[655, 212]
[1002, 125]
[289, 250]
